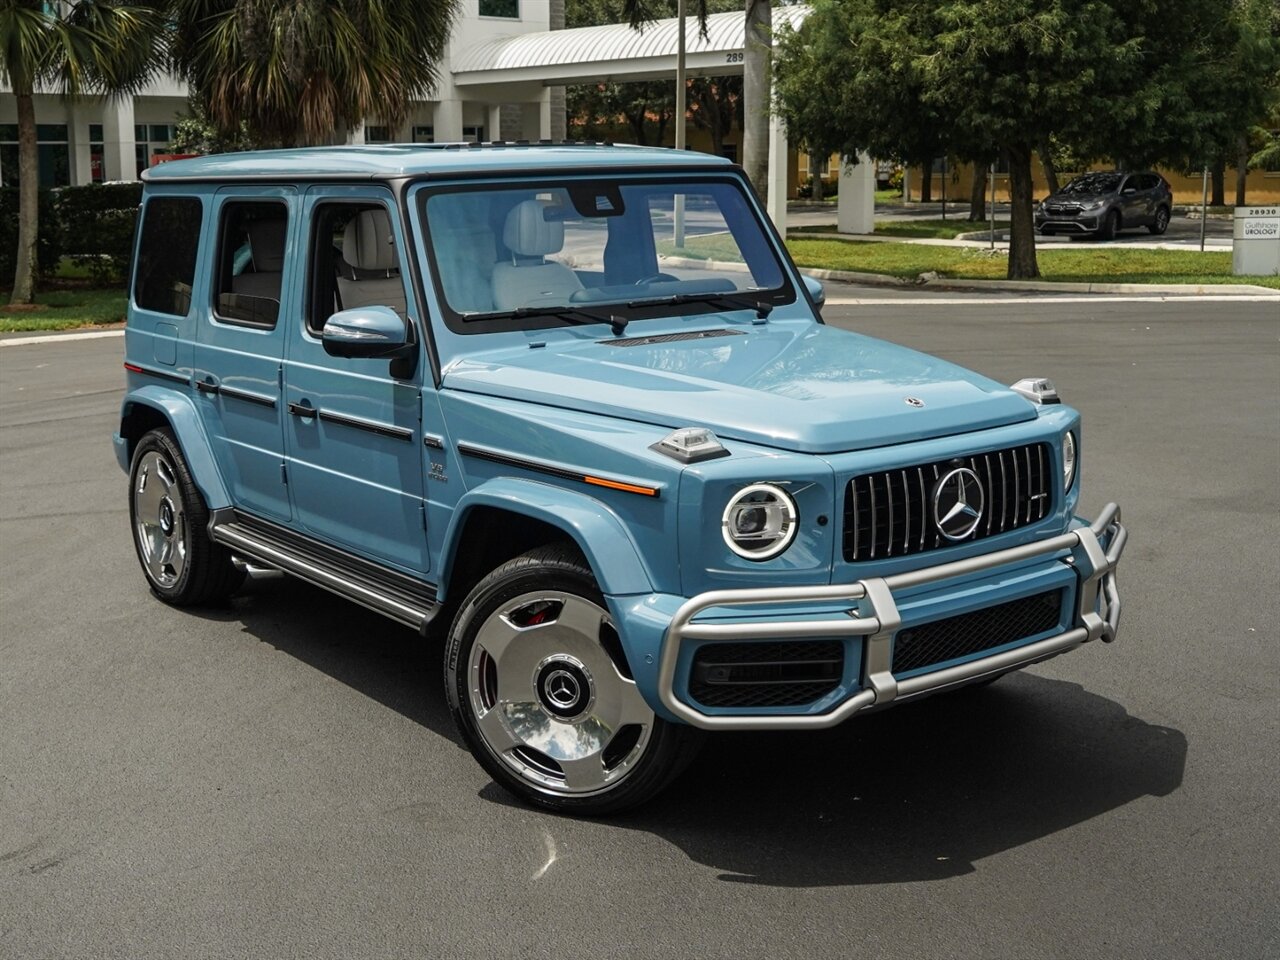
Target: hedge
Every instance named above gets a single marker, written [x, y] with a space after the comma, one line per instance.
[48, 245]
[97, 222]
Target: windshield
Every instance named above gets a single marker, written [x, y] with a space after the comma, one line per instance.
[590, 251]
[1094, 183]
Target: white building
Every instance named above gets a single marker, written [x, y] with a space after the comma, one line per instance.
[94, 138]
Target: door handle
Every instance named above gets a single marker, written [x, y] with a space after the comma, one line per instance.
[207, 386]
[303, 409]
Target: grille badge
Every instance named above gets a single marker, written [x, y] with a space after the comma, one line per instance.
[958, 501]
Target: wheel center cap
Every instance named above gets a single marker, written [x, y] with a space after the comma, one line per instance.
[166, 516]
[563, 687]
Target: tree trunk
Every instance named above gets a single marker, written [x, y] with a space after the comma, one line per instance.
[978, 194]
[1022, 234]
[1218, 178]
[926, 183]
[1242, 168]
[1050, 171]
[28, 202]
[818, 185]
[756, 86]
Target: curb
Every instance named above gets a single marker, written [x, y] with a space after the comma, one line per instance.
[1042, 286]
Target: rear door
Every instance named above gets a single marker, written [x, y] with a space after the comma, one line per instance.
[353, 432]
[240, 343]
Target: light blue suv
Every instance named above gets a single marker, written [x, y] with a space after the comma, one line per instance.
[572, 410]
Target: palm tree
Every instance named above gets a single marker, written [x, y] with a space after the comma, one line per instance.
[73, 48]
[294, 70]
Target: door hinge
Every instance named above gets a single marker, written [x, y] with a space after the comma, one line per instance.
[280, 376]
[284, 474]
[422, 509]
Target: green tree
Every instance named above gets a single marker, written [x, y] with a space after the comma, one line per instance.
[76, 48]
[1141, 81]
[293, 71]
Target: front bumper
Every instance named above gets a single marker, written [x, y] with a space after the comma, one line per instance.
[1094, 553]
[1056, 224]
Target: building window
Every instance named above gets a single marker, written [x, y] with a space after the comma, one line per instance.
[97, 168]
[819, 166]
[374, 134]
[53, 155]
[424, 134]
[166, 261]
[509, 9]
[151, 139]
[473, 134]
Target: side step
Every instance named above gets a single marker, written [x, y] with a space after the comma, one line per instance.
[389, 592]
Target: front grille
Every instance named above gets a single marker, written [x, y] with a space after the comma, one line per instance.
[772, 674]
[1068, 210]
[890, 514]
[969, 633]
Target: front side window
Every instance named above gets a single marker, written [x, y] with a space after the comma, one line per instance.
[166, 266]
[354, 262]
[538, 255]
[1091, 183]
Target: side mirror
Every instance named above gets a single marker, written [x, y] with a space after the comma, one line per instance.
[374, 332]
[816, 293]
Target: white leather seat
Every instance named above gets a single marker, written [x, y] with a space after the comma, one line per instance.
[529, 280]
[266, 249]
[368, 247]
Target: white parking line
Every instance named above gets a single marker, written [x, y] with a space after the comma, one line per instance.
[60, 338]
[1015, 299]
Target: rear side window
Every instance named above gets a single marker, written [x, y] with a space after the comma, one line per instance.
[167, 251]
[251, 248]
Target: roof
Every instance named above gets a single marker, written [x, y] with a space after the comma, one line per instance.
[615, 50]
[383, 161]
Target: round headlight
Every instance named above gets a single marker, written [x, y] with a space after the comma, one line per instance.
[1068, 460]
[759, 522]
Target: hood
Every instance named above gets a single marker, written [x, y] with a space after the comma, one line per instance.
[799, 386]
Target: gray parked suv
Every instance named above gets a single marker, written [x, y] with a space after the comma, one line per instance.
[1102, 204]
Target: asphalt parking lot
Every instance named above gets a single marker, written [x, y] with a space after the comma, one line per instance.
[279, 776]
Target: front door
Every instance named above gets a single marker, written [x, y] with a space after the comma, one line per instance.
[353, 434]
[240, 343]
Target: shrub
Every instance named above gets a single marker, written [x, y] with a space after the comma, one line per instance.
[48, 245]
[98, 222]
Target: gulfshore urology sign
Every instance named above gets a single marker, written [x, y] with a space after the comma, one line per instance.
[1255, 246]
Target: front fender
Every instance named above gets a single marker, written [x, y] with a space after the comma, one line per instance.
[601, 536]
[184, 420]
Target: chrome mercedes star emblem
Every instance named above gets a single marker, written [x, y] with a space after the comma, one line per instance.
[958, 502]
[562, 689]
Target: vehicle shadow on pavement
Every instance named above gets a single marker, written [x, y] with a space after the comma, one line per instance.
[916, 793]
[369, 653]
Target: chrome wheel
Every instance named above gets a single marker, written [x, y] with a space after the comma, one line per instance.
[549, 701]
[160, 519]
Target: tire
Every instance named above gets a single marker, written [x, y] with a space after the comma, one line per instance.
[1110, 226]
[540, 690]
[1161, 222]
[169, 521]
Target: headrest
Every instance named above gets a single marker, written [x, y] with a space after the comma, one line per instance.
[266, 244]
[529, 233]
[368, 243]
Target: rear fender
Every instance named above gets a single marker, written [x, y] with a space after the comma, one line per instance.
[183, 419]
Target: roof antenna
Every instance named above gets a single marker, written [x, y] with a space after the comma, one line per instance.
[618, 324]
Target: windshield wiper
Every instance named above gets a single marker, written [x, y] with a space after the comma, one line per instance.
[574, 315]
[737, 301]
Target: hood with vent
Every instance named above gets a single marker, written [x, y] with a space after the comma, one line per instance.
[796, 386]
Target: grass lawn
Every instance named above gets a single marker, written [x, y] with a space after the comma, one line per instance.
[64, 310]
[909, 260]
[1117, 265]
[940, 229]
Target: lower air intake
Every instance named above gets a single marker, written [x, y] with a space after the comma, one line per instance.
[975, 632]
[773, 674]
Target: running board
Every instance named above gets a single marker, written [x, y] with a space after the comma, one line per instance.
[388, 592]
